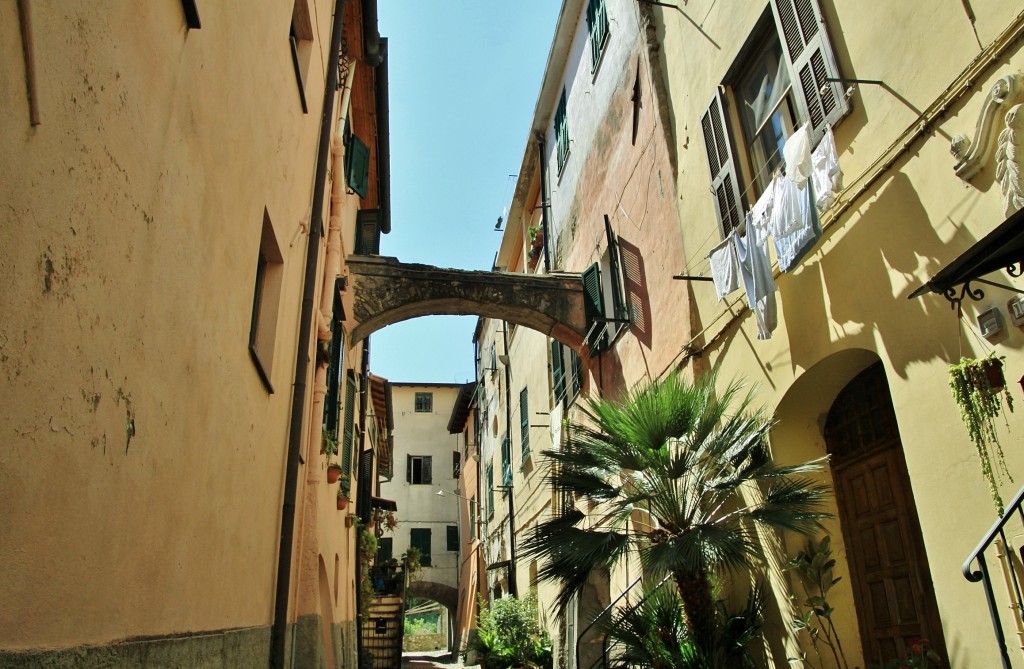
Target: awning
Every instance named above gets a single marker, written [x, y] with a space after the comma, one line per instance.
[499, 565]
[1003, 248]
[383, 504]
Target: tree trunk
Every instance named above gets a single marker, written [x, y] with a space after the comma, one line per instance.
[698, 608]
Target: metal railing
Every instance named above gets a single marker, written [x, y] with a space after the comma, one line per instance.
[997, 536]
[602, 661]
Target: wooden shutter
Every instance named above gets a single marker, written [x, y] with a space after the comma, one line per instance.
[506, 461]
[593, 306]
[801, 27]
[472, 518]
[427, 466]
[368, 232]
[420, 538]
[562, 131]
[618, 304]
[456, 464]
[722, 164]
[349, 436]
[408, 469]
[557, 371]
[335, 369]
[490, 491]
[524, 421]
[384, 549]
[358, 165]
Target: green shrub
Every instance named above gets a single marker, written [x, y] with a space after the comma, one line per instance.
[510, 635]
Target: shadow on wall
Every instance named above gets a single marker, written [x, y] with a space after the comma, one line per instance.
[847, 298]
[797, 436]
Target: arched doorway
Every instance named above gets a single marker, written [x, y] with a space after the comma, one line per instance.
[891, 581]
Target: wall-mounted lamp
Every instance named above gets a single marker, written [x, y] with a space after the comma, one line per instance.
[503, 359]
[497, 226]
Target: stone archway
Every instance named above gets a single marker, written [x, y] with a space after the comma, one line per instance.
[384, 291]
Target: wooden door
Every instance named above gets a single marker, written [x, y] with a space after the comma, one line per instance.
[888, 566]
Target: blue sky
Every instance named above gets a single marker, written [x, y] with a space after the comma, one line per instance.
[463, 81]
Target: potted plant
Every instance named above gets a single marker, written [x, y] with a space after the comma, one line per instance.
[342, 500]
[978, 388]
[329, 445]
[333, 472]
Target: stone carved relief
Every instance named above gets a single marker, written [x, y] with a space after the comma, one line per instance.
[972, 154]
[1010, 160]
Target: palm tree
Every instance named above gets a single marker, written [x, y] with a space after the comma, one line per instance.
[698, 473]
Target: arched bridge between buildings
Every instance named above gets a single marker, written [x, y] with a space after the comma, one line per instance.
[386, 291]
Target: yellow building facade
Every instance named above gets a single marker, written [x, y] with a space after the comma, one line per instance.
[179, 198]
[855, 369]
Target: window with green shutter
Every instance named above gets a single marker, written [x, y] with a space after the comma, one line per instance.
[562, 132]
[472, 518]
[335, 366]
[368, 232]
[506, 462]
[358, 158]
[490, 491]
[593, 306]
[348, 437]
[419, 537]
[597, 27]
[557, 373]
[453, 538]
[524, 422]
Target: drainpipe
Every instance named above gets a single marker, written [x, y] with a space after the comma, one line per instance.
[306, 315]
[545, 199]
[365, 383]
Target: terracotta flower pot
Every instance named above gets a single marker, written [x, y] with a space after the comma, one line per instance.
[333, 473]
[342, 503]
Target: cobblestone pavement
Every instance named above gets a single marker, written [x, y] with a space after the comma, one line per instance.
[433, 659]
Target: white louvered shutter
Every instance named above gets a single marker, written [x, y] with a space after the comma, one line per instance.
[805, 43]
[722, 165]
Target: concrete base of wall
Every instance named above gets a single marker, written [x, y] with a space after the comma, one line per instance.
[213, 650]
[233, 648]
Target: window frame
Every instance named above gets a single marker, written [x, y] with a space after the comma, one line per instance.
[452, 538]
[561, 126]
[524, 421]
[806, 52]
[426, 469]
[266, 303]
[598, 31]
[300, 39]
[428, 402]
[426, 541]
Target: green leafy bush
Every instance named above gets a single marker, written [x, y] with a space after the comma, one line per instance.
[510, 634]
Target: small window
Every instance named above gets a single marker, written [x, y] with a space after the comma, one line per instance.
[424, 402]
[420, 538]
[566, 372]
[524, 422]
[385, 549]
[266, 302]
[597, 27]
[300, 37]
[453, 538]
[456, 464]
[418, 471]
[562, 132]
[368, 232]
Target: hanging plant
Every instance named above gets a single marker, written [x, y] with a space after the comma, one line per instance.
[978, 387]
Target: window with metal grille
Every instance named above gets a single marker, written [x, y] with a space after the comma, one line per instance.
[781, 84]
[456, 464]
[490, 492]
